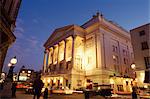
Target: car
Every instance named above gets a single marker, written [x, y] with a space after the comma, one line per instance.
[21, 86]
[62, 90]
[29, 90]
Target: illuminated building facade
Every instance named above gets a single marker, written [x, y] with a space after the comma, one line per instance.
[97, 53]
[141, 45]
[25, 75]
[8, 14]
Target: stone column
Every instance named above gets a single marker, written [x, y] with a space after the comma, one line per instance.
[65, 41]
[47, 59]
[44, 62]
[58, 54]
[52, 55]
[73, 43]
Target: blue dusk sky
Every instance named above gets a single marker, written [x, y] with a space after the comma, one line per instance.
[37, 19]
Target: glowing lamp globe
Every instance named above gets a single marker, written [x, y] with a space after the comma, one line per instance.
[13, 61]
[133, 66]
[9, 64]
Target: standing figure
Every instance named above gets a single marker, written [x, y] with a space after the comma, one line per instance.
[134, 94]
[37, 86]
[46, 93]
[13, 89]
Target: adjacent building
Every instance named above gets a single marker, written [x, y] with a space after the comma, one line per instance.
[141, 46]
[8, 14]
[25, 75]
[97, 53]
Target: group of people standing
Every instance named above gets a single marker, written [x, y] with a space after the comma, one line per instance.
[37, 87]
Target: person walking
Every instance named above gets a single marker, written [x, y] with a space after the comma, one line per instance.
[37, 86]
[13, 89]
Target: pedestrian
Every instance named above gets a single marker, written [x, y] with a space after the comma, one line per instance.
[51, 90]
[13, 89]
[2, 85]
[134, 94]
[46, 93]
[86, 94]
[37, 87]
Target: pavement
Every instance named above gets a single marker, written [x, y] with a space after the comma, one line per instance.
[22, 95]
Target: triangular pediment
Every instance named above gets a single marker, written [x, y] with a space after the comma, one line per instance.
[57, 33]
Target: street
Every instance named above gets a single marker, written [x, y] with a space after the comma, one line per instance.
[22, 95]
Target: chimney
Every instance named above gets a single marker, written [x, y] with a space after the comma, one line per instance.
[97, 14]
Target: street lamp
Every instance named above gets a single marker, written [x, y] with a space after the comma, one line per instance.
[13, 61]
[133, 66]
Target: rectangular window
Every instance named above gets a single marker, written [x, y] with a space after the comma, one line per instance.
[115, 48]
[141, 33]
[147, 62]
[144, 45]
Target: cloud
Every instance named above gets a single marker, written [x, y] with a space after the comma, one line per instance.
[35, 21]
[33, 41]
[19, 30]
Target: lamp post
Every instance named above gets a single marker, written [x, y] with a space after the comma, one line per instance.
[133, 66]
[13, 61]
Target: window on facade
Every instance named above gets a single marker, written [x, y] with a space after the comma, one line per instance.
[147, 62]
[115, 48]
[125, 52]
[120, 87]
[125, 60]
[141, 33]
[144, 45]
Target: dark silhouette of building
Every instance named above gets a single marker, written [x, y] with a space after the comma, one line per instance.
[8, 14]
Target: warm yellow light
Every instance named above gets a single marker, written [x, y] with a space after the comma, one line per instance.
[55, 62]
[54, 80]
[142, 76]
[68, 59]
[43, 80]
[13, 61]
[48, 80]
[133, 66]
[9, 64]
[114, 57]
[111, 81]
[61, 80]
[29, 71]
[145, 86]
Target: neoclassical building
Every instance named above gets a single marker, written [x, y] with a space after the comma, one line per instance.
[99, 52]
